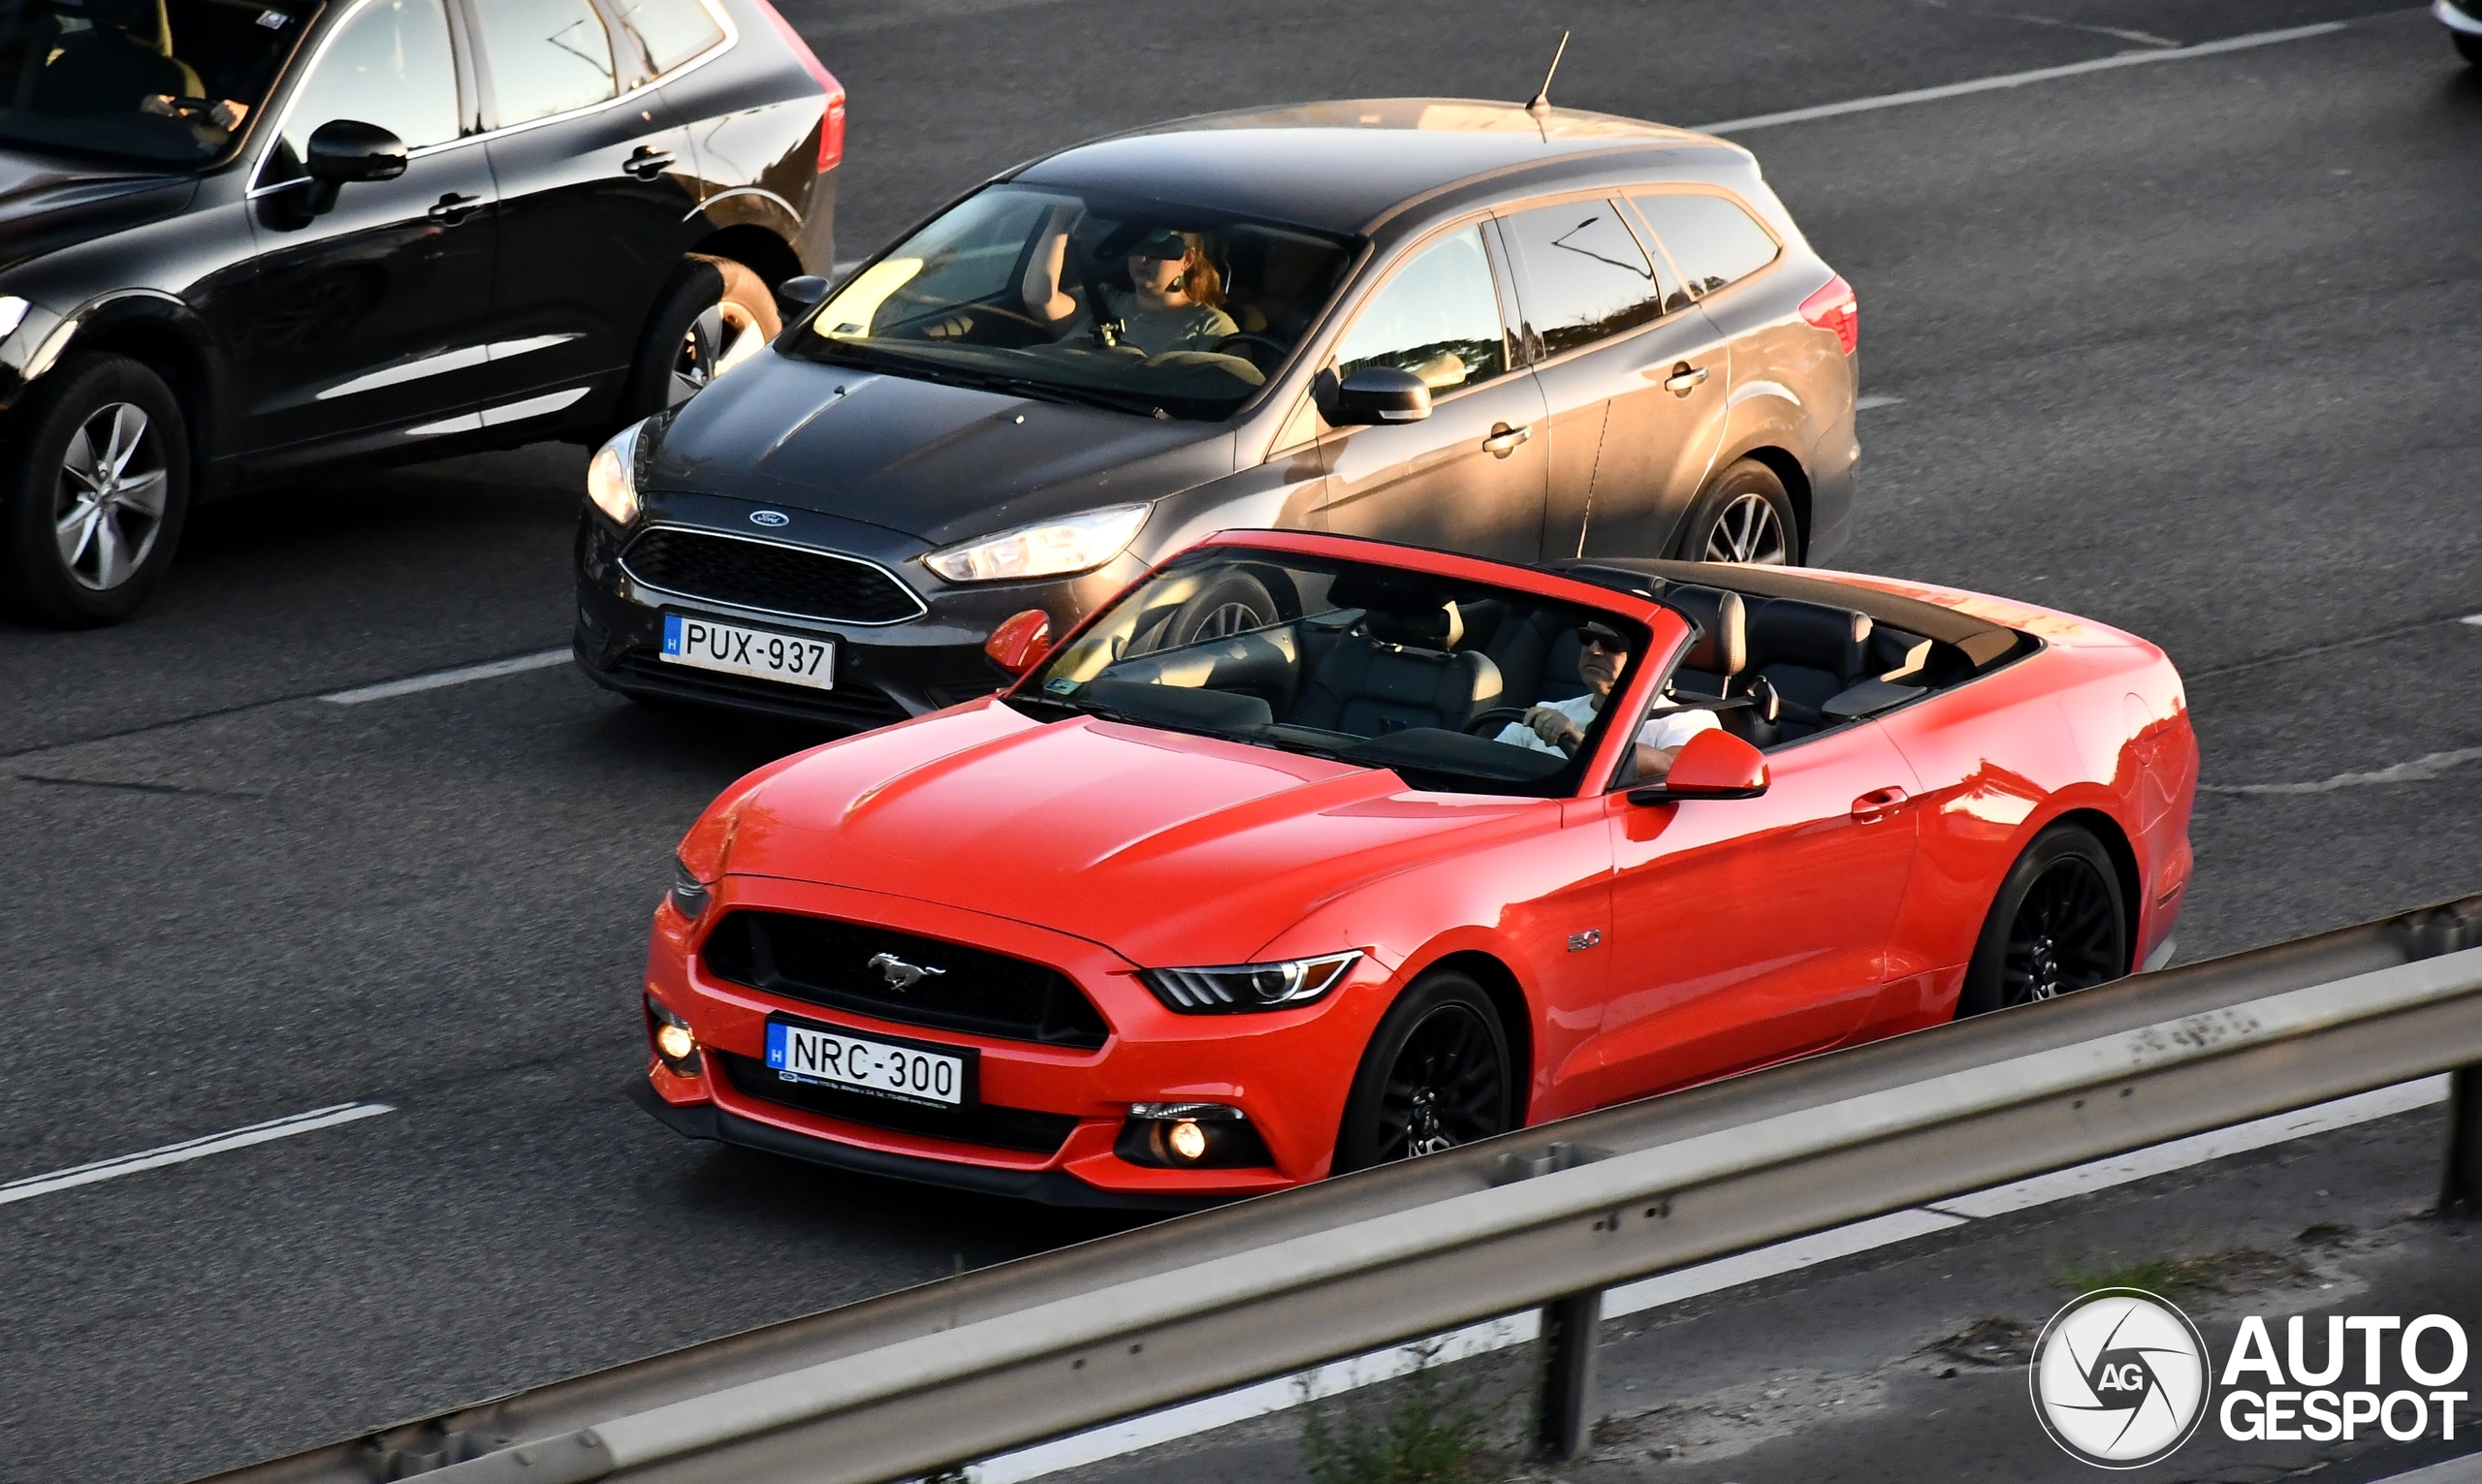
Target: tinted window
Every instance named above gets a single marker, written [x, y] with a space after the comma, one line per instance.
[1584, 277]
[546, 56]
[671, 31]
[1439, 318]
[1714, 241]
[169, 82]
[390, 66]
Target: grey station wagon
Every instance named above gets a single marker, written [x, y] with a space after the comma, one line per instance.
[1525, 334]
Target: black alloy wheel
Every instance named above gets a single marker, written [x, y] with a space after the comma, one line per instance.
[1437, 1075]
[1744, 518]
[94, 483]
[2058, 925]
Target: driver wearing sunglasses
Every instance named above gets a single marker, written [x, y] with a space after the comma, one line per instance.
[1559, 726]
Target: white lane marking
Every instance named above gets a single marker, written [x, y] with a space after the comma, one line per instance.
[2018, 78]
[439, 679]
[2472, 618]
[1865, 403]
[33, 1185]
[2421, 770]
[1208, 1413]
[2456, 1470]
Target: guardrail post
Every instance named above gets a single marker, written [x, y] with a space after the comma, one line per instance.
[1571, 1326]
[2460, 1194]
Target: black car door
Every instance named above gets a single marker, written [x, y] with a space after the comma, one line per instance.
[1471, 477]
[367, 321]
[1634, 375]
[596, 183]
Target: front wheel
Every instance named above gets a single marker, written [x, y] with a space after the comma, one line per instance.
[1744, 517]
[93, 489]
[714, 315]
[2058, 925]
[1436, 1075]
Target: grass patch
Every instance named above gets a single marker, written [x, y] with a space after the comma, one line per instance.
[2240, 1269]
[1425, 1429]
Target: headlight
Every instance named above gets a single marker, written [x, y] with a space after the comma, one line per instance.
[1053, 548]
[612, 478]
[1241, 986]
[13, 313]
[688, 895]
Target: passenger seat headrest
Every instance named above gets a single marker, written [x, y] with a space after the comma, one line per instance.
[1439, 628]
[1722, 647]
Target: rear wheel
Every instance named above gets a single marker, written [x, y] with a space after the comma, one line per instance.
[1744, 517]
[2058, 925]
[1437, 1075]
[716, 314]
[2470, 47]
[93, 489]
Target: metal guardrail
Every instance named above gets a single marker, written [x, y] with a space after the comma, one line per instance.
[1013, 1355]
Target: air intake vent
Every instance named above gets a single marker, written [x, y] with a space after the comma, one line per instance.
[855, 966]
[769, 577]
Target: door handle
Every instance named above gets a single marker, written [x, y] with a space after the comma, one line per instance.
[1504, 439]
[1684, 379]
[452, 208]
[646, 164]
[1877, 805]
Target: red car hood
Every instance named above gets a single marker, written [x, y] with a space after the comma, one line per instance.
[1167, 848]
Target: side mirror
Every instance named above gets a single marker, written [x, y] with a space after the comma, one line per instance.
[344, 151]
[1711, 765]
[805, 292]
[1379, 393]
[1020, 643]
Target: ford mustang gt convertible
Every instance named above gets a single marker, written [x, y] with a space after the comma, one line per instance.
[1445, 847]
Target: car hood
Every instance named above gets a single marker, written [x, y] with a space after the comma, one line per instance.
[1167, 848]
[47, 203]
[937, 463]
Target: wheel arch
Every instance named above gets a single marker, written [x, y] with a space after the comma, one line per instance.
[755, 247]
[1508, 998]
[2115, 840]
[1784, 466]
[174, 352]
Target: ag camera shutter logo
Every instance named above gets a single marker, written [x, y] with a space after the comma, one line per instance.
[2120, 1378]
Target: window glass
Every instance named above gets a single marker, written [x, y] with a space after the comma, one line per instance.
[1439, 318]
[390, 66]
[168, 80]
[546, 56]
[672, 31]
[1583, 276]
[1713, 240]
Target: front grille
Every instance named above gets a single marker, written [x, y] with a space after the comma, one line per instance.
[1014, 1129]
[766, 576]
[828, 962]
[848, 705]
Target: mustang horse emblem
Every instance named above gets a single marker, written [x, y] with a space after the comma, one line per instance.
[900, 975]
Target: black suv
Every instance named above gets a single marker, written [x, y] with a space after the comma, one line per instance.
[245, 240]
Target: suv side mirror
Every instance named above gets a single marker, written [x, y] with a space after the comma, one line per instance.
[1378, 393]
[1711, 765]
[346, 150]
[806, 290]
[1020, 643]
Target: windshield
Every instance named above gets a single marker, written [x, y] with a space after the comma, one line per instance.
[165, 80]
[1444, 681]
[1152, 308]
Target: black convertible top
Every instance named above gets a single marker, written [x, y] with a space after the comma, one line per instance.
[1982, 642]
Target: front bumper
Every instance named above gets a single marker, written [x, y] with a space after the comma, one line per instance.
[884, 671]
[1288, 1070]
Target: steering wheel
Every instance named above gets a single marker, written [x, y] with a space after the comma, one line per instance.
[1496, 717]
[1276, 348]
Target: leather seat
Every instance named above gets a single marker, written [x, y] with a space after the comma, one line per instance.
[1721, 651]
[1395, 672]
[1809, 652]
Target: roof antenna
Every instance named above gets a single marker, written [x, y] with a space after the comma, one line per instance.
[1541, 103]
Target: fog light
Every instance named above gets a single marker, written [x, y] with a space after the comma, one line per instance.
[1186, 1139]
[673, 1041]
[676, 1043]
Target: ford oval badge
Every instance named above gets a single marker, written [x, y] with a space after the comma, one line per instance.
[771, 518]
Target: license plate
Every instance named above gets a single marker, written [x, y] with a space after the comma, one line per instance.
[801, 1054]
[796, 659]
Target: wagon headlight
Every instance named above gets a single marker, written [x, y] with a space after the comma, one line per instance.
[1053, 548]
[612, 478]
[1241, 986]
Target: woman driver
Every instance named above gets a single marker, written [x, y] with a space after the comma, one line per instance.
[1175, 300]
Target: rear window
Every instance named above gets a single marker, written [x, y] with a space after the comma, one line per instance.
[1714, 241]
[670, 31]
[546, 56]
[1582, 274]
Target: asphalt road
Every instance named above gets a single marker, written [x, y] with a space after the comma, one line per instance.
[2187, 347]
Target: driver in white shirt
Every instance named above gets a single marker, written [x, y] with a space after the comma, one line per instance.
[1559, 726]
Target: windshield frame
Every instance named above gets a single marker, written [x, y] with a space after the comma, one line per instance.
[1357, 250]
[1584, 775]
[311, 24]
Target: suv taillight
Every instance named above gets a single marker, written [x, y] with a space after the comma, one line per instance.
[1834, 307]
[831, 126]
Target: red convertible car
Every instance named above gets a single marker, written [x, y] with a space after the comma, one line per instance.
[1453, 848]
